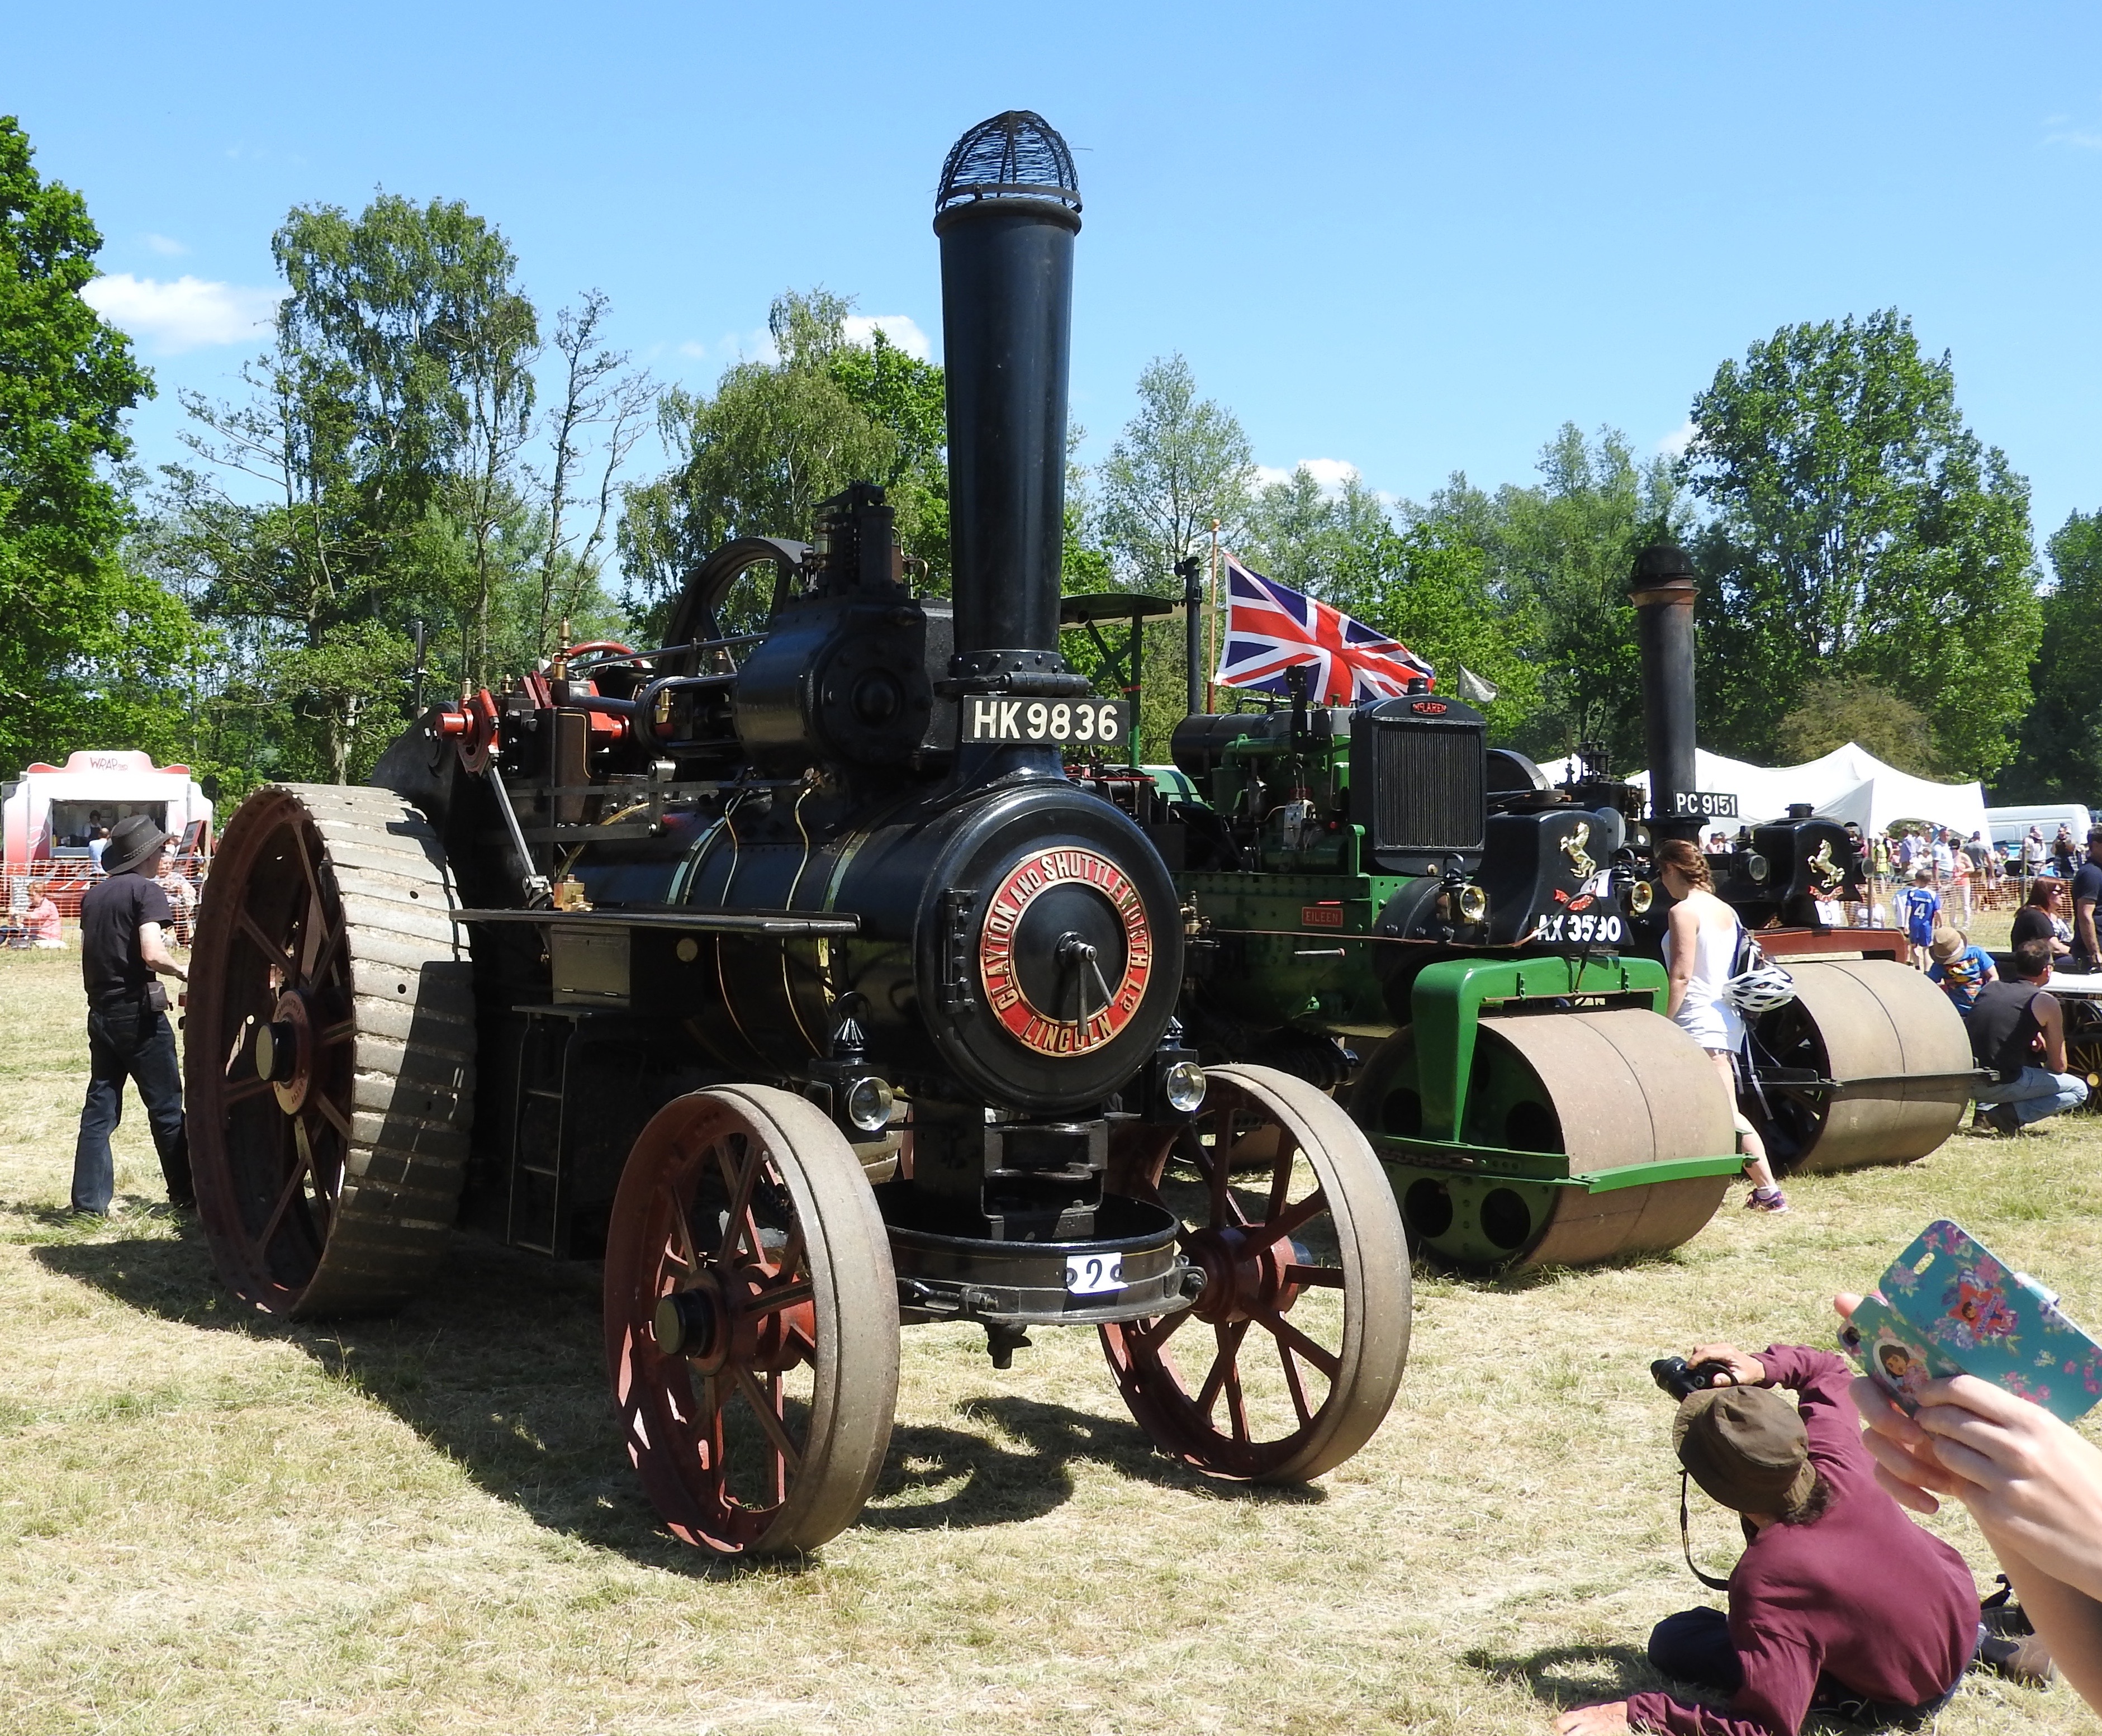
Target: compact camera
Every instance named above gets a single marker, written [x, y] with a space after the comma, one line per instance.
[1682, 1379]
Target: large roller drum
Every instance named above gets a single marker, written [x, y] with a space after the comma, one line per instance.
[330, 1065]
[1889, 1058]
[1599, 1135]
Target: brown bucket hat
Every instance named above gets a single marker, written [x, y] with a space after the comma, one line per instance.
[1746, 1448]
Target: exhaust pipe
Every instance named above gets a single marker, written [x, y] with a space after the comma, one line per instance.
[1007, 211]
[1662, 589]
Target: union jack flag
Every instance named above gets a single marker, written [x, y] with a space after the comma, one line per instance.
[1271, 628]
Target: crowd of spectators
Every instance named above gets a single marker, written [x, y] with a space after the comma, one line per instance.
[33, 908]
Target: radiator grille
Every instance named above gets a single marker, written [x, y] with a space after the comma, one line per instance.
[1431, 788]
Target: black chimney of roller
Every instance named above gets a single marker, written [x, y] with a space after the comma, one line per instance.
[1007, 211]
[1662, 587]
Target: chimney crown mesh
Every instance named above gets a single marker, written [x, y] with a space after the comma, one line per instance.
[1015, 155]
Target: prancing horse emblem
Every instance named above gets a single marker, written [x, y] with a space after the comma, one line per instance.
[1823, 870]
[1572, 847]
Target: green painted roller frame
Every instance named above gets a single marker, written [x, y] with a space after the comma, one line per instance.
[1541, 1111]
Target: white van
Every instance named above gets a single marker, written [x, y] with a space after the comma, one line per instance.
[2007, 824]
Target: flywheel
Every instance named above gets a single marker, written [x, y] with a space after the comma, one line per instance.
[329, 1070]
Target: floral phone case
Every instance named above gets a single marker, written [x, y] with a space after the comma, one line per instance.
[1947, 1307]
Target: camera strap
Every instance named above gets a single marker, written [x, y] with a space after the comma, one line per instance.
[1686, 1540]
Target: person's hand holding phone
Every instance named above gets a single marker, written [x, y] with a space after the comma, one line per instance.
[2032, 1483]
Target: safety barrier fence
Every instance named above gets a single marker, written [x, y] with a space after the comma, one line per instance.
[64, 884]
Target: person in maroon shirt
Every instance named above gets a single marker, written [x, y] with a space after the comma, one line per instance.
[1838, 1599]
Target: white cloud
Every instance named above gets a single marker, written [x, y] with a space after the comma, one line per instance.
[187, 313]
[166, 245]
[756, 345]
[1674, 445]
[900, 328]
[690, 347]
[1331, 473]
[2080, 140]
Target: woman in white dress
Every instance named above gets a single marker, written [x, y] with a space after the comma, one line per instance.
[1700, 946]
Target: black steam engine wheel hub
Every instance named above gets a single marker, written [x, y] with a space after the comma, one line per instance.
[285, 1050]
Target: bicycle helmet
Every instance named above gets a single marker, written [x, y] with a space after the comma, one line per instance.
[1759, 990]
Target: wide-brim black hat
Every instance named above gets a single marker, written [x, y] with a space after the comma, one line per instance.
[132, 842]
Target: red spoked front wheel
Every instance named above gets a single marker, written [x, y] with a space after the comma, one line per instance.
[1291, 1357]
[751, 1321]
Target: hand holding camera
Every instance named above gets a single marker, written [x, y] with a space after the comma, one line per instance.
[1707, 1365]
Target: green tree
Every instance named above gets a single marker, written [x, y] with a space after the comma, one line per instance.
[413, 314]
[1427, 585]
[1556, 558]
[1085, 564]
[1835, 710]
[1859, 528]
[775, 438]
[1181, 465]
[384, 478]
[1433, 591]
[1313, 538]
[88, 645]
[2061, 737]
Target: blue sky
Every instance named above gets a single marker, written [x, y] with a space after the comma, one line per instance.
[1411, 238]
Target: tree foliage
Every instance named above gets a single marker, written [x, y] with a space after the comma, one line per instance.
[88, 645]
[1859, 527]
[1835, 710]
[775, 438]
[378, 474]
[1556, 559]
[1324, 542]
[1180, 465]
[1428, 583]
[2062, 738]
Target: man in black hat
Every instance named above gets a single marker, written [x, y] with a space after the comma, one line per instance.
[123, 950]
[1839, 1603]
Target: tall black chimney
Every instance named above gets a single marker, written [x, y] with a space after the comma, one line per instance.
[1007, 211]
[1662, 587]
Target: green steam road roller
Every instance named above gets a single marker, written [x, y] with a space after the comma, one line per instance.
[1375, 880]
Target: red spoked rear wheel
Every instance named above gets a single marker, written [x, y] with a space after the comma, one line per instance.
[1291, 1357]
[330, 1051]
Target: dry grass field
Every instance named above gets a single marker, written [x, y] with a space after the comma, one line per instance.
[210, 1521]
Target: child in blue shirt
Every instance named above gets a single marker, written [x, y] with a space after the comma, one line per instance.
[1919, 912]
[1960, 968]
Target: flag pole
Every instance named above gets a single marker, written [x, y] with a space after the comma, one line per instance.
[1212, 623]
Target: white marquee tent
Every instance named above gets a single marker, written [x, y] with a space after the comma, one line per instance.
[1849, 783]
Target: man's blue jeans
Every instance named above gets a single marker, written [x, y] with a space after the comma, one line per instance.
[128, 1041]
[2036, 1095]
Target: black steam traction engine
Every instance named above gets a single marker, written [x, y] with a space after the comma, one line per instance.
[786, 972]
